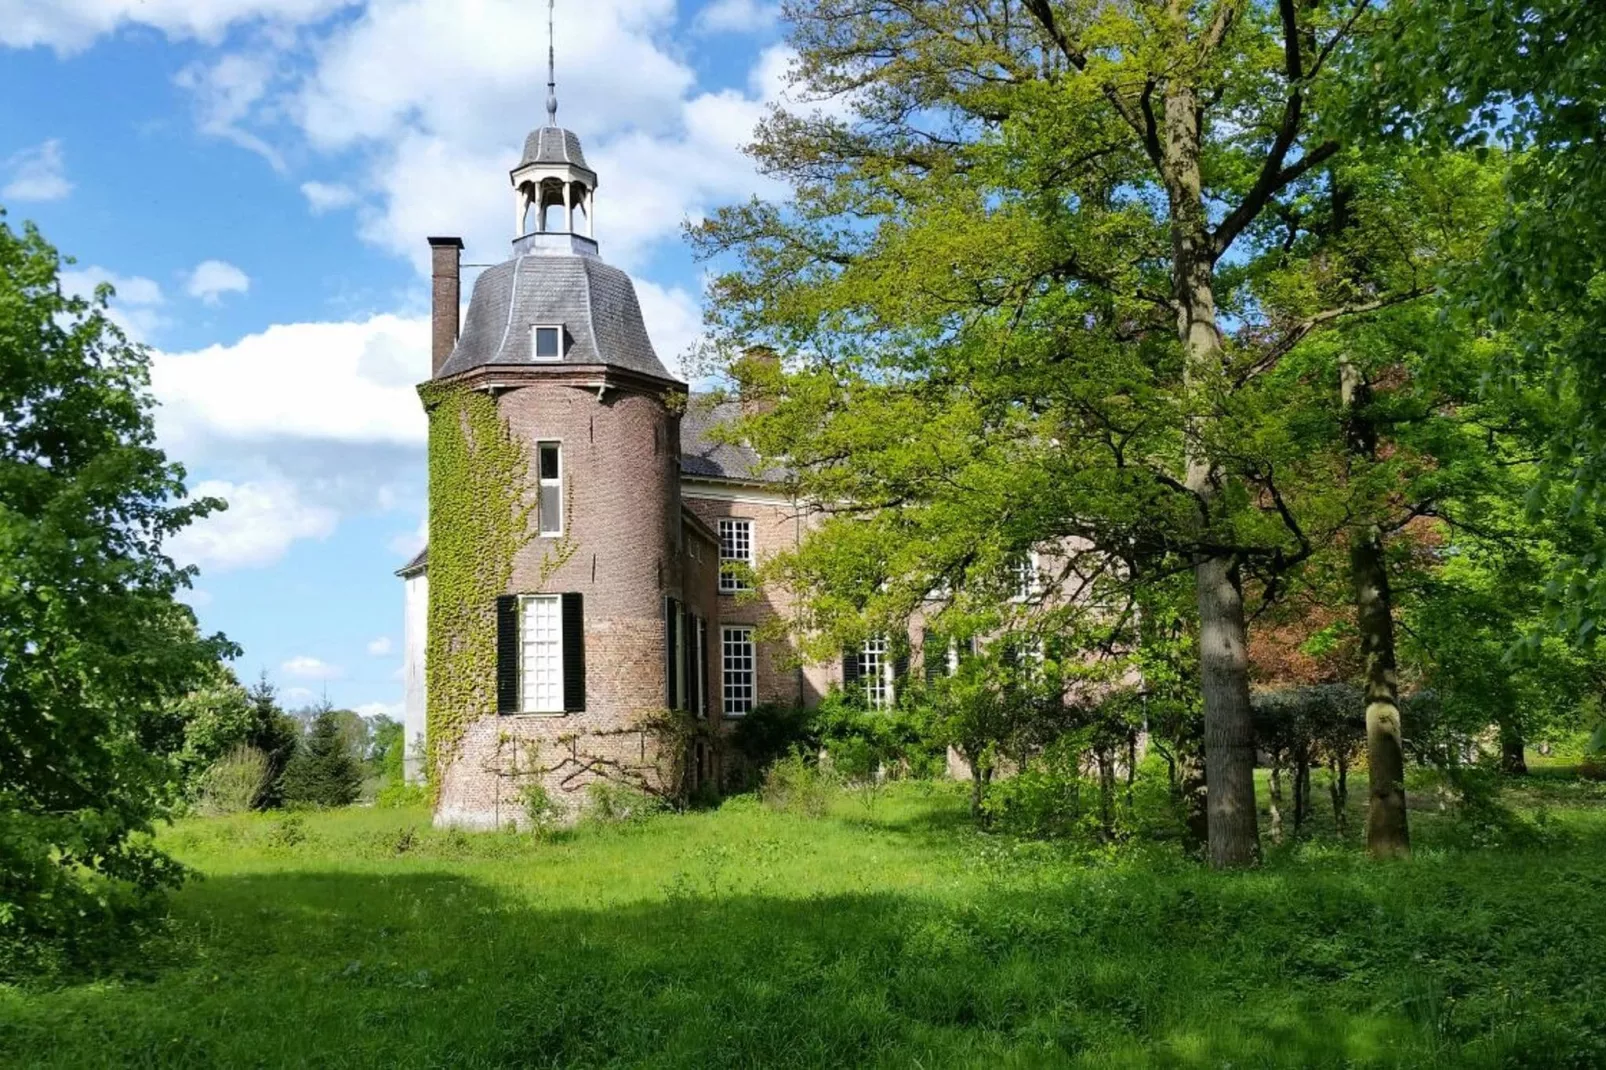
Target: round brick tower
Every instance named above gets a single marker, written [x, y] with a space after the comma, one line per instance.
[556, 337]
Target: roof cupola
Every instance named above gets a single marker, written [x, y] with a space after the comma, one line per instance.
[553, 179]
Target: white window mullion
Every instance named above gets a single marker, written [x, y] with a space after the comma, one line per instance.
[541, 668]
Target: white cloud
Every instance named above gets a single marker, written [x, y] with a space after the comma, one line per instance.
[736, 16]
[136, 306]
[408, 543]
[71, 25]
[322, 382]
[261, 522]
[379, 647]
[299, 694]
[305, 667]
[674, 322]
[228, 93]
[195, 597]
[327, 196]
[211, 279]
[393, 710]
[37, 174]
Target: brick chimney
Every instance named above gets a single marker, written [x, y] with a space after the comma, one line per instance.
[446, 258]
[761, 363]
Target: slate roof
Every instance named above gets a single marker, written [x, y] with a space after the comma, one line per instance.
[702, 455]
[419, 563]
[594, 303]
[551, 144]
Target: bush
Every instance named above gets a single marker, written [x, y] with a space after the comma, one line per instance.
[235, 782]
[795, 785]
[399, 795]
[611, 803]
[541, 810]
[323, 772]
[763, 736]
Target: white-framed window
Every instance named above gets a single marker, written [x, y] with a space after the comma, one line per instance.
[549, 472]
[541, 656]
[875, 672]
[735, 547]
[546, 342]
[1028, 580]
[737, 683]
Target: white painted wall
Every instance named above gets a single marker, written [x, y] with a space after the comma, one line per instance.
[415, 625]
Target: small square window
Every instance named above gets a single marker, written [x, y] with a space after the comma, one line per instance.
[547, 343]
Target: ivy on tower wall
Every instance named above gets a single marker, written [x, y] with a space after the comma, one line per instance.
[480, 513]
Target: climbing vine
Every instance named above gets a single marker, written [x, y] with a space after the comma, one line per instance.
[479, 518]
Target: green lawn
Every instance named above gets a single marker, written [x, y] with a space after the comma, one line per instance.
[741, 937]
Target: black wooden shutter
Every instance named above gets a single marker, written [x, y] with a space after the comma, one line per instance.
[935, 653]
[850, 667]
[507, 654]
[671, 662]
[574, 652]
[900, 661]
[688, 659]
[700, 637]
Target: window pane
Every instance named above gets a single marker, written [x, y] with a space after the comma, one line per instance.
[543, 655]
[549, 460]
[551, 509]
[735, 545]
[546, 343]
[737, 677]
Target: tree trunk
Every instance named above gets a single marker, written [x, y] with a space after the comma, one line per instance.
[1276, 804]
[1338, 788]
[1512, 760]
[1223, 636]
[1387, 829]
[1191, 781]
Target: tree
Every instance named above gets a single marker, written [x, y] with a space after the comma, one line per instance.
[1017, 236]
[1529, 76]
[324, 770]
[274, 733]
[94, 646]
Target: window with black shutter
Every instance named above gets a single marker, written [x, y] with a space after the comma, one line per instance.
[672, 659]
[934, 655]
[574, 652]
[507, 654]
[850, 667]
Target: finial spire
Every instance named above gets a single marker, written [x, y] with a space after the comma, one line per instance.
[551, 70]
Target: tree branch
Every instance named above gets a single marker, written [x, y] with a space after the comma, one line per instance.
[1298, 333]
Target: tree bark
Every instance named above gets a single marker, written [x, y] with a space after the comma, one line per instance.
[1387, 828]
[1223, 635]
[1513, 761]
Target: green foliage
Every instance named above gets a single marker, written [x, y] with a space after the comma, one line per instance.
[612, 803]
[765, 734]
[399, 795]
[235, 782]
[479, 518]
[324, 771]
[879, 941]
[95, 649]
[795, 784]
[541, 810]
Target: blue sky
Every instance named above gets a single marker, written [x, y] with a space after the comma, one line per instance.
[257, 178]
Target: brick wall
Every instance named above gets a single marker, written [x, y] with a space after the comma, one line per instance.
[622, 519]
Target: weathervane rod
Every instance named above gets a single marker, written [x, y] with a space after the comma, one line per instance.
[551, 70]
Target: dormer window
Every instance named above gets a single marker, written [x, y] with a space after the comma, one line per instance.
[546, 342]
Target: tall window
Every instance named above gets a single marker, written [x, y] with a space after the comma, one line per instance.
[875, 670]
[737, 649]
[549, 459]
[735, 548]
[541, 661]
[546, 343]
[1028, 585]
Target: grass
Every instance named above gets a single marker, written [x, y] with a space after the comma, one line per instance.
[895, 937]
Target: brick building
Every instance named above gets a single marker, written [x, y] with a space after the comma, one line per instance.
[647, 609]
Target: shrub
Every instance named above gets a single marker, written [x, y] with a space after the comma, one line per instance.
[323, 772]
[611, 803]
[543, 812]
[399, 795]
[766, 734]
[794, 784]
[235, 782]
